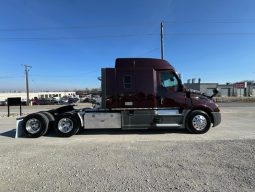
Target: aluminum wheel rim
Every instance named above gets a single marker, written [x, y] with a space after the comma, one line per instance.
[199, 122]
[33, 126]
[65, 125]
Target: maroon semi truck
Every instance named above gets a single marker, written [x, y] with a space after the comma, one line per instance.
[137, 94]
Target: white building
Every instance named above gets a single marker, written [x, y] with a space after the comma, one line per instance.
[23, 95]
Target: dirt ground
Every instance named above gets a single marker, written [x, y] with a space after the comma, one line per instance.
[142, 160]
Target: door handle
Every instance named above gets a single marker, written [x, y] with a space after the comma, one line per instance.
[161, 100]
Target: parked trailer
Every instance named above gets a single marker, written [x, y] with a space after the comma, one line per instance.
[136, 94]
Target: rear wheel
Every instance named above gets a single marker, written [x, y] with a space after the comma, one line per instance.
[67, 125]
[51, 121]
[35, 125]
[198, 122]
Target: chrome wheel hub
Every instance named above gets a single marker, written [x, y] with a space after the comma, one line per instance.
[33, 126]
[199, 122]
[65, 125]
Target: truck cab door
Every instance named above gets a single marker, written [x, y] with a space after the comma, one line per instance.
[169, 91]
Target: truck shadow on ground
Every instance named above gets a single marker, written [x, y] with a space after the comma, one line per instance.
[10, 133]
[125, 132]
[130, 132]
[51, 133]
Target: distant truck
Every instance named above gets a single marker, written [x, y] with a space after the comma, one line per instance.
[139, 93]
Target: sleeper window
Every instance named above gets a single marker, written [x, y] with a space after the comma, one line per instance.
[127, 82]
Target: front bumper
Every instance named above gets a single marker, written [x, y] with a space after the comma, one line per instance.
[216, 118]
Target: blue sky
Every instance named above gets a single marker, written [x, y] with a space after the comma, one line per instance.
[67, 42]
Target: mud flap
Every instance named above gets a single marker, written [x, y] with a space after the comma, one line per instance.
[19, 130]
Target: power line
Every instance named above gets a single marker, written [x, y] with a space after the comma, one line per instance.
[73, 38]
[16, 39]
[148, 52]
[212, 21]
[121, 36]
[68, 76]
[213, 34]
[75, 27]
[11, 77]
[48, 28]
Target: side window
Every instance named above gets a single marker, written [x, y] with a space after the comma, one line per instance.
[127, 82]
[168, 80]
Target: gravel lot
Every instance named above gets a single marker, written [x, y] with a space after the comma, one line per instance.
[110, 160]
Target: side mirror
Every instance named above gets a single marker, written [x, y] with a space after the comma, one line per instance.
[215, 92]
[187, 93]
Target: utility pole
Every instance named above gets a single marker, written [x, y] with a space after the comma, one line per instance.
[27, 67]
[162, 42]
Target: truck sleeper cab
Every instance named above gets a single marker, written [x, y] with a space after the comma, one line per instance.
[139, 93]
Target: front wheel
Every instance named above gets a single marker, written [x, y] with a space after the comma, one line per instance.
[198, 122]
[67, 125]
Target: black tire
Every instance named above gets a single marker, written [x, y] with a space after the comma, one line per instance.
[35, 125]
[198, 122]
[75, 115]
[67, 124]
[51, 119]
